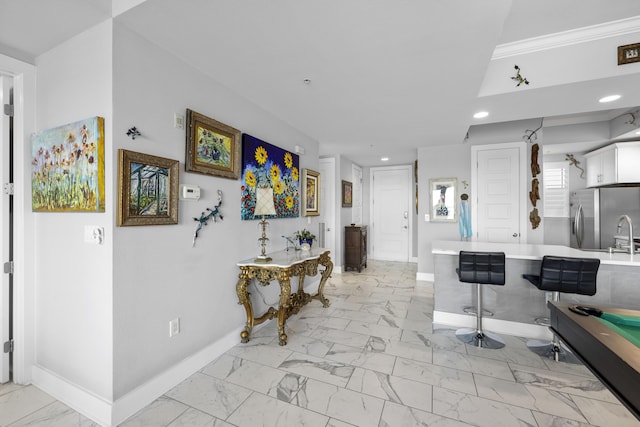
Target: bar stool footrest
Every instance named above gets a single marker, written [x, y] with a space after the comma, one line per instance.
[480, 339]
[549, 350]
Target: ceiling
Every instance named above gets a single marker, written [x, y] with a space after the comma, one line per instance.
[384, 77]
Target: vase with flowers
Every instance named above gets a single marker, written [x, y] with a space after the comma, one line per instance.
[304, 236]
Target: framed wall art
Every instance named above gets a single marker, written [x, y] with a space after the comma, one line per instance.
[347, 194]
[67, 168]
[310, 193]
[147, 189]
[267, 166]
[213, 148]
[443, 199]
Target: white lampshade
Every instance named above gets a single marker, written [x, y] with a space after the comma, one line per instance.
[264, 202]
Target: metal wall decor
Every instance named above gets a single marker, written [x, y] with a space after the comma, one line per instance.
[206, 216]
[518, 78]
[133, 132]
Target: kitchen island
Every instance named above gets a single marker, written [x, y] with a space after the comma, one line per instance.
[516, 304]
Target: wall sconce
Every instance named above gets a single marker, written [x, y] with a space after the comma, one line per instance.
[133, 132]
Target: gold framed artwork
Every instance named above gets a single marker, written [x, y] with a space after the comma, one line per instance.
[347, 194]
[147, 189]
[310, 193]
[213, 148]
[443, 199]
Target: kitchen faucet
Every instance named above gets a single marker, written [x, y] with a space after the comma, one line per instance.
[632, 244]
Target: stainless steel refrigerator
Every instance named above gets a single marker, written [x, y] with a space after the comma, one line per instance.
[595, 213]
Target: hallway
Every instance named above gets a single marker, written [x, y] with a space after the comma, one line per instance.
[373, 358]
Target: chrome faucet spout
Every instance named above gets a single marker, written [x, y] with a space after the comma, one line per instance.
[625, 218]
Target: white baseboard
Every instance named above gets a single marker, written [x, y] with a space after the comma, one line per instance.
[337, 269]
[498, 326]
[413, 259]
[110, 414]
[425, 277]
[88, 404]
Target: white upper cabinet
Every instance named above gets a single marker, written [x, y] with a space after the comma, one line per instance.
[614, 164]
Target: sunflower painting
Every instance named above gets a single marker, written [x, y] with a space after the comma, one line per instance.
[265, 165]
[67, 168]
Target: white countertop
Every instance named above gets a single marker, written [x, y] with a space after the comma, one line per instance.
[532, 251]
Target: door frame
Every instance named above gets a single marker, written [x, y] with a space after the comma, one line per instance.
[409, 168]
[330, 192]
[522, 187]
[24, 98]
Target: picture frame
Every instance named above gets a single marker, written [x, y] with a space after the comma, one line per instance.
[310, 193]
[212, 148]
[442, 192]
[347, 194]
[147, 189]
[628, 54]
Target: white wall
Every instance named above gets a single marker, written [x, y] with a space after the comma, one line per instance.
[73, 280]
[452, 161]
[157, 274]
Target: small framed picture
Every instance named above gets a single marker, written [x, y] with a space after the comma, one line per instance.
[347, 194]
[213, 148]
[443, 199]
[310, 193]
[147, 189]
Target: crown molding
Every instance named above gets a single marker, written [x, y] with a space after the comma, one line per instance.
[568, 38]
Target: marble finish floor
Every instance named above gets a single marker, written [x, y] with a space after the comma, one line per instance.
[371, 359]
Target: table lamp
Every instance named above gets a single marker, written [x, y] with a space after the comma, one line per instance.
[264, 206]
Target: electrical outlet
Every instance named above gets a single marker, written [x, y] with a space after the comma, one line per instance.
[174, 327]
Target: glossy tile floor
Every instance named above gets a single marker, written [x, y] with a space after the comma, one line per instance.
[371, 359]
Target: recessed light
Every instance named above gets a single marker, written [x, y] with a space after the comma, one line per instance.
[384, 159]
[480, 114]
[609, 98]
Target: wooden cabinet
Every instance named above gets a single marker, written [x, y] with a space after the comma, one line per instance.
[355, 247]
[614, 164]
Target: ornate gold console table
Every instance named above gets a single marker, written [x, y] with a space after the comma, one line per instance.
[283, 266]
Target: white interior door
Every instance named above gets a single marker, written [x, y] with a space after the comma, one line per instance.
[328, 202]
[498, 193]
[5, 236]
[391, 198]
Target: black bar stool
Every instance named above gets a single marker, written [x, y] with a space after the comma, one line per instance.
[562, 275]
[481, 268]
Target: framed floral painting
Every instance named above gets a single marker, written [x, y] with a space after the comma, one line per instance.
[213, 148]
[265, 165]
[67, 168]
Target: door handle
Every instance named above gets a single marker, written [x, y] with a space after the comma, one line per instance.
[516, 234]
[405, 227]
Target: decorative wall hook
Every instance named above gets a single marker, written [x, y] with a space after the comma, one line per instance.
[519, 78]
[133, 132]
